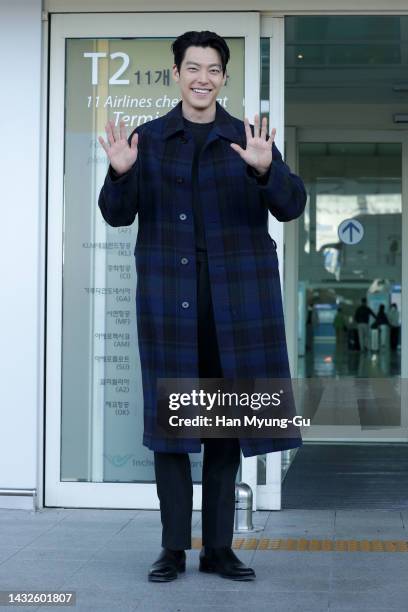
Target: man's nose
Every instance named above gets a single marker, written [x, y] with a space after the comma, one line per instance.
[203, 78]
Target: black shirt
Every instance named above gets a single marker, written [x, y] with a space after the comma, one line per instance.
[199, 131]
[362, 314]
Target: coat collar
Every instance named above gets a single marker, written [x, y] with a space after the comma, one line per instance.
[223, 124]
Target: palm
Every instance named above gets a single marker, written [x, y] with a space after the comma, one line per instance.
[121, 155]
[258, 151]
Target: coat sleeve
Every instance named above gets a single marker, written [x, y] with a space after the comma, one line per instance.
[281, 191]
[119, 197]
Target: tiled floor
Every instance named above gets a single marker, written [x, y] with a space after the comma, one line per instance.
[325, 359]
[104, 556]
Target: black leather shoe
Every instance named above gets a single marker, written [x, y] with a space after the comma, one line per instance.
[168, 565]
[224, 562]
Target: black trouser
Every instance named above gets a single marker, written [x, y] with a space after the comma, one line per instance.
[221, 456]
[394, 337]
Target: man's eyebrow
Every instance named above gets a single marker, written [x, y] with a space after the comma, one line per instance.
[197, 64]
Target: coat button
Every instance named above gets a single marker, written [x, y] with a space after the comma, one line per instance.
[185, 304]
[182, 216]
[184, 260]
[179, 179]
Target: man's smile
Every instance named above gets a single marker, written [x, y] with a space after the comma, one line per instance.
[200, 91]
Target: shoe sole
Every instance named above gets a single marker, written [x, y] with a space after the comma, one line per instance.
[211, 570]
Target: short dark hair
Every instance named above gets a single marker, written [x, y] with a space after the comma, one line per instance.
[200, 39]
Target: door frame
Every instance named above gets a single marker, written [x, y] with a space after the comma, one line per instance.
[269, 495]
[118, 25]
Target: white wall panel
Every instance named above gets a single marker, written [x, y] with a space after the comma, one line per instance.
[21, 301]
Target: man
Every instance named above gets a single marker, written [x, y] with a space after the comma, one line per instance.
[339, 324]
[393, 318]
[208, 291]
[361, 317]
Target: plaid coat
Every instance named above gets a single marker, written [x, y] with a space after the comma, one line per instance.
[242, 259]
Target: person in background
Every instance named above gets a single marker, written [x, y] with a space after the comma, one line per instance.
[383, 326]
[309, 327]
[340, 327]
[361, 317]
[393, 318]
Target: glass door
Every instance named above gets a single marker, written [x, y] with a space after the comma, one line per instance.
[350, 251]
[350, 285]
[110, 67]
[346, 135]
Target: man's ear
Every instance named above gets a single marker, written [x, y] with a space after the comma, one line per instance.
[176, 74]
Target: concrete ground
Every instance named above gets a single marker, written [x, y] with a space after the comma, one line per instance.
[104, 556]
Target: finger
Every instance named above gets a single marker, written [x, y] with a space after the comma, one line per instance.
[103, 143]
[237, 148]
[122, 130]
[263, 128]
[248, 132]
[256, 126]
[134, 141]
[114, 132]
[272, 136]
[109, 133]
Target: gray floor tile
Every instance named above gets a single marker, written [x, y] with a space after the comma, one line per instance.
[293, 571]
[281, 602]
[105, 556]
[38, 581]
[60, 540]
[8, 551]
[90, 515]
[42, 514]
[80, 526]
[140, 546]
[361, 572]
[16, 540]
[29, 528]
[84, 607]
[103, 599]
[32, 608]
[347, 599]
[300, 524]
[230, 595]
[371, 524]
[36, 553]
[97, 576]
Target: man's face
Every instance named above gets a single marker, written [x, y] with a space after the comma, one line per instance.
[200, 77]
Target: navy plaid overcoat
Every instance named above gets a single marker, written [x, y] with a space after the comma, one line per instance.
[242, 259]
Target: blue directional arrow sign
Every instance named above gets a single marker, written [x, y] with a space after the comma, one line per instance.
[350, 231]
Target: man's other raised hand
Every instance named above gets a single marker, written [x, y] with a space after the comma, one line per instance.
[120, 154]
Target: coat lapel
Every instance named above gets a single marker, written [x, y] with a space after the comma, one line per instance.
[223, 125]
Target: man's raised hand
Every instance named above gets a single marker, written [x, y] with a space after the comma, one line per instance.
[258, 151]
[120, 154]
